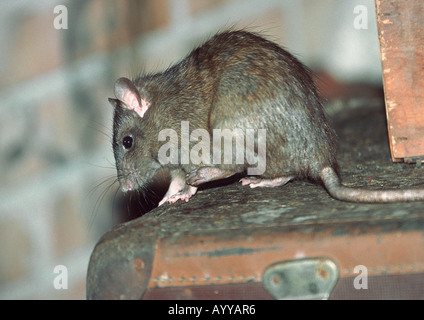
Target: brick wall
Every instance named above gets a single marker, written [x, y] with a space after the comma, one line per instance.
[55, 123]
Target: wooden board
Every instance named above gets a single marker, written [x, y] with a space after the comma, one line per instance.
[401, 35]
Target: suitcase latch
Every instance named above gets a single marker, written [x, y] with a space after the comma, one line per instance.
[310, 278]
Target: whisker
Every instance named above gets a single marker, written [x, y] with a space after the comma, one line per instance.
[110, 183]
[102, 128]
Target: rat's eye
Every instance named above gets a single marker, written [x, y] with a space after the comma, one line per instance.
[127, 142]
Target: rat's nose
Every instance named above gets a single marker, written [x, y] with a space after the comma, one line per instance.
[126, 187]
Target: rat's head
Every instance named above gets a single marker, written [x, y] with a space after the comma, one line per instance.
[135, 161]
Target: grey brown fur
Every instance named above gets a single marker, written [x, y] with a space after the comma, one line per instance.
[235, 80]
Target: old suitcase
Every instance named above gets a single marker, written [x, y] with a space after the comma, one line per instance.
[271, 253]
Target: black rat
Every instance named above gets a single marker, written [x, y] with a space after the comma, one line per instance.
[237, 81]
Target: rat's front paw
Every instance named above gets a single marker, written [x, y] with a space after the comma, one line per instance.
[180, 196]
[185, 195]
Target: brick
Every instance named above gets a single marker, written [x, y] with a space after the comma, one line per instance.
[27, 166]
[69, 228]
[14, 251]
[199, 6]
[20, 156]
[149, 15]
[34, 48]
[100, 25]
[72, 124]
[94, 25]
[41, 137]
[52, 132]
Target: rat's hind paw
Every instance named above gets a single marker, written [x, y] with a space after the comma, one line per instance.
[255, 182]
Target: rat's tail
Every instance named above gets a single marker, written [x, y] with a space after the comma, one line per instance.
[334, 186]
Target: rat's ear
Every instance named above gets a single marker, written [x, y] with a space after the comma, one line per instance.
[127, 93]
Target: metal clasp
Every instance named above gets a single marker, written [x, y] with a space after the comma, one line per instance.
[310, 278]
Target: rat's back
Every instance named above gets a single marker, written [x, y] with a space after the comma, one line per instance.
[259, 85]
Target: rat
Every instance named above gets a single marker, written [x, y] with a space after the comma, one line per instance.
[235, 81]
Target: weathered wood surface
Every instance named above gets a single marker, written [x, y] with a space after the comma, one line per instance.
[401, 35]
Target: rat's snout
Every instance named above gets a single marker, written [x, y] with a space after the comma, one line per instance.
[126, 187]
[128, 178]
[128, 183]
